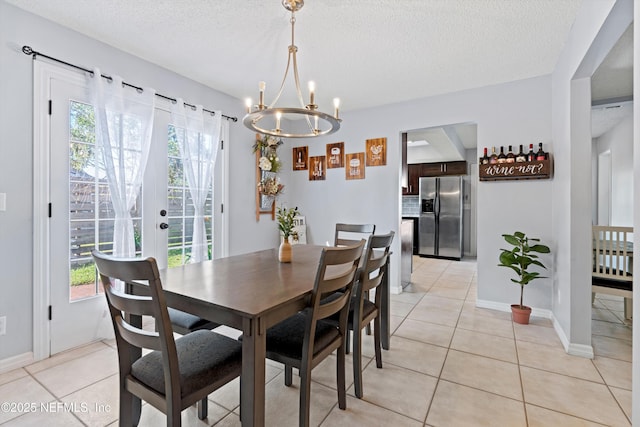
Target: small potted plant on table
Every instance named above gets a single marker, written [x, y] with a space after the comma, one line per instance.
[519, 258]
[285, 218]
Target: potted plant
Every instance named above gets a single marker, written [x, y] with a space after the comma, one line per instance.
[285, 219]
[519, 258]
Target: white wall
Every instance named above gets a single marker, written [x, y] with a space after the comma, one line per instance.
[512, 113]
[18, 28]
[598, 26]
[619, 140]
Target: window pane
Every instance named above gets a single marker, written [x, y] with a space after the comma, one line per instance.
[91, 210]
[181, 207]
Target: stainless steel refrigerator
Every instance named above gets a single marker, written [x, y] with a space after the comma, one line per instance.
[440, 224]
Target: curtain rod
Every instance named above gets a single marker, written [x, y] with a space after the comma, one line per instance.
[34, 53]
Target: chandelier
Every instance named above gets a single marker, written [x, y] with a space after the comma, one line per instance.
[268, 119]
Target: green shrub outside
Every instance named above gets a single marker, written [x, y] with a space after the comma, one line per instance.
[86, 274]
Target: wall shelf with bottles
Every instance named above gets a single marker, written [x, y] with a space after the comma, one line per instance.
[537, 169]
[510, 166]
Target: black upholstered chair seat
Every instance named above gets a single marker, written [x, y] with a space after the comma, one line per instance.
[286, 338]
[626, 285]
[186, 321]
[368, 308]
[202, 356]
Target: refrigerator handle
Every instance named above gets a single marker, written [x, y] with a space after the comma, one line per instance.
[436, 207]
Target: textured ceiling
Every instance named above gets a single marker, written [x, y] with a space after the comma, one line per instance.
[367, 52]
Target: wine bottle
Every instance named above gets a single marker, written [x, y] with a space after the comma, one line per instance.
[521, 157]
[501, 157]
[494, 157]
[511, 158]
[541, 155]
[531, 156]
[484, 159]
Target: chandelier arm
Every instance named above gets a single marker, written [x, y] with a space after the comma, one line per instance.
[284, 80]
[299, 92]
[292, 51]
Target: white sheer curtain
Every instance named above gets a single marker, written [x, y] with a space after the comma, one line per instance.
[124, 123]
[198, 137]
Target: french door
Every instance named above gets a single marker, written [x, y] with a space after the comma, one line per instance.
[81, 215]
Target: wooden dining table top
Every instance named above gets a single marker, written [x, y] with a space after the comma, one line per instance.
[248, 285]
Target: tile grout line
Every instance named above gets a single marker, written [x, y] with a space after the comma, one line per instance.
[439, 378]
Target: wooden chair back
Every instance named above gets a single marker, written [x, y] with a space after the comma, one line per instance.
[130, 337]
[350, 234]
[331, 294]
[612, 252]
[334, 280]
[374, 268]
[613, 264]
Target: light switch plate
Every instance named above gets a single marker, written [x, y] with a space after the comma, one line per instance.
[3, 325]
[3, 201]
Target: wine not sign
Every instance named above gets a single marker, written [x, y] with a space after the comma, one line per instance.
[541, 169]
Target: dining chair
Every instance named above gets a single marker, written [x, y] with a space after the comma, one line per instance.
[177, 373]
[350, 234]
[305, 339]
[362, 310]
[612, 257]
[345, 235]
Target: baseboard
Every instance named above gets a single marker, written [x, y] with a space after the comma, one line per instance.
[573, 349]
[15, 362]
[501, 306]
[395, 290]
[580, 350]
[493, 305]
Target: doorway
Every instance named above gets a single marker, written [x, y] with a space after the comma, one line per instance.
[436, 145]
[612, 192]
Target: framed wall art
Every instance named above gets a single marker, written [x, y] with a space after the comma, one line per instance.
[335, 155]
[317, 168]
[300, 158]
[355, 166]
[376, 152]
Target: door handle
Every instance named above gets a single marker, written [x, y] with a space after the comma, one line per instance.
[164, 226]
[163, 212]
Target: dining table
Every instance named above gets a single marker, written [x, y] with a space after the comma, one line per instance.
[252, 292]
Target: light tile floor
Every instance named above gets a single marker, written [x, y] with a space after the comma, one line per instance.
[450, 364]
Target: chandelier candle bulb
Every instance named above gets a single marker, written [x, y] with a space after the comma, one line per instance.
[262, 86]
[336, 105]
[278, 117]
[312, 89]
[247, 102]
